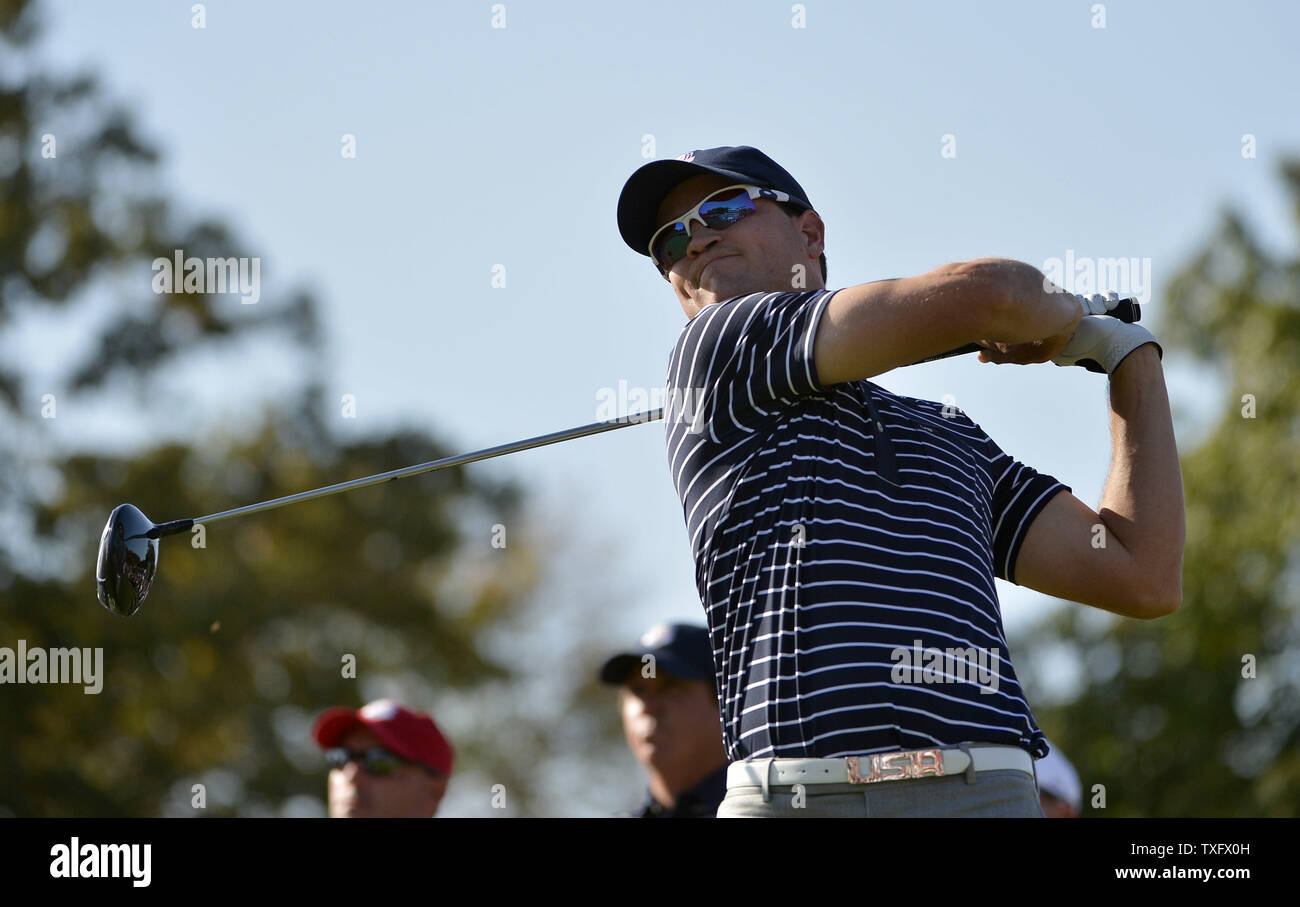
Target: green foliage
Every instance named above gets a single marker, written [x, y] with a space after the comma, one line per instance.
[240, 642]
[1166, 721]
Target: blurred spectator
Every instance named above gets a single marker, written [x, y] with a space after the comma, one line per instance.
[671, 720]
[386, 761]
[1059, 791]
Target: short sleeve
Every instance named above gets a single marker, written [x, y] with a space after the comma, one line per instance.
[739, 362]
[1019, 494]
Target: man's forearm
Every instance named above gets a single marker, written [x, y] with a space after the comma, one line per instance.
[1142, 505]
[1027, 307]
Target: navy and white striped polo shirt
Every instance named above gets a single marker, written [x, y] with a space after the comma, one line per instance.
[842, 534]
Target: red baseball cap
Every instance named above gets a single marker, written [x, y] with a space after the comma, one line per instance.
[412, 735]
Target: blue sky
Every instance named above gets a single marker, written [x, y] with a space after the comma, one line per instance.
[481, 146]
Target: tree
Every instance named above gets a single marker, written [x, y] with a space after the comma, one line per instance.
[248, 630]
[1197, 714]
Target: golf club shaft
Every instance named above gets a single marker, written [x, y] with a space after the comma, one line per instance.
[1127, 310]
[487, 453]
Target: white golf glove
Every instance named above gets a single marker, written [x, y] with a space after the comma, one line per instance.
[1101, 342]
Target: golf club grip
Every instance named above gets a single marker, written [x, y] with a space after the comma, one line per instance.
[1128, 311]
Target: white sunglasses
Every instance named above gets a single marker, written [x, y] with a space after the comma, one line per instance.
[718, 211]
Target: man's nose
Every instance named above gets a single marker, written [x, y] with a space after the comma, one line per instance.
[653, 703]
[701, 238]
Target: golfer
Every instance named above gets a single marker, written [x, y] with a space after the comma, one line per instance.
[846, 538]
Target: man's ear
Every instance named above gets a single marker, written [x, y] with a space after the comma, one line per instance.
[813, 229]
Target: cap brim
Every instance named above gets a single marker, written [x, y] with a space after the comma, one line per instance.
[618, 668]
[334, 723]
[645, 190]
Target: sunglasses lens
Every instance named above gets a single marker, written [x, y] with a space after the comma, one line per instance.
[718, 213]
[721, 213]
[380, 763]
[670, 246]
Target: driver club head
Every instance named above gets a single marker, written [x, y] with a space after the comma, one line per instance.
[128, 560]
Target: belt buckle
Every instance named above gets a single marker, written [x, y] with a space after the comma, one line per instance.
[897, 766]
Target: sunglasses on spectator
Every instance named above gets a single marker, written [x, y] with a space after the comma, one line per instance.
[717, 211]
[376, 761]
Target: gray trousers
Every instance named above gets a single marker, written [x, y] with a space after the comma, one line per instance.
[1000, 794]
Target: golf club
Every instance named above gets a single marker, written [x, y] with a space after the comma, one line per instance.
[128, 548]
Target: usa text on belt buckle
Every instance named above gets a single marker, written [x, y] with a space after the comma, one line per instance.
[895, 766]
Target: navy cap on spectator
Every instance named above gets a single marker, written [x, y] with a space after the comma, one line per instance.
[682, 650]
[649, 186]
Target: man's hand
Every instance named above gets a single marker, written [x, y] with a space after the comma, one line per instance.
[1096, 343]
[1034, 351]
[1025, 353]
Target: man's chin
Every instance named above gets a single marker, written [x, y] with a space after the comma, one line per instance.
[727, 287]
[655, 749]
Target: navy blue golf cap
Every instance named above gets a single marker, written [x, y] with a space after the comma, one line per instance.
[682, 650]
[645, 189]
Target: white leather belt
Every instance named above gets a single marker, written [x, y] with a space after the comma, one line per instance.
[899, 765]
